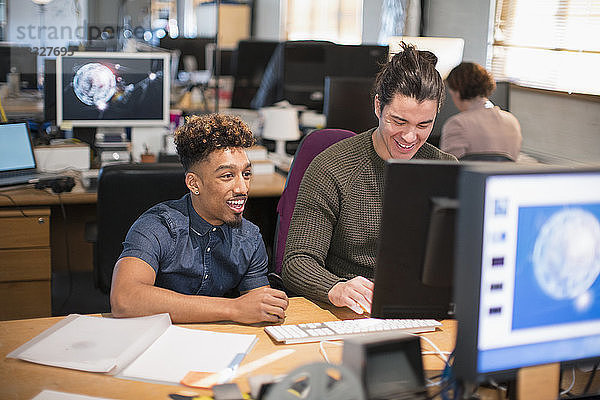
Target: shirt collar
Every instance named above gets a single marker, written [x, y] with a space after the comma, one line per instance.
[201, 227]
[481, 102]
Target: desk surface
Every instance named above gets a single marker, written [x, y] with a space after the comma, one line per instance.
[270, 185]
[23, 380]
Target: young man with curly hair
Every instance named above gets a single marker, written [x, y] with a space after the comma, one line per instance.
[187, 257]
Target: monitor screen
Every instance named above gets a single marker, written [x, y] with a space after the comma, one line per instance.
[189, 48]
[249, 62]
[306, 64]
[16, 152]
[528, 266]
[414, 267]
[348, 103]
[23, 60]
[113, 89]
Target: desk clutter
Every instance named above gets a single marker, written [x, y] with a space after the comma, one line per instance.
[163, 353]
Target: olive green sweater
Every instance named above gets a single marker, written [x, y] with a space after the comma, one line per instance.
[335, 226]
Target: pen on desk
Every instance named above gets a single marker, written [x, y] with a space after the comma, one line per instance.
[228, 373]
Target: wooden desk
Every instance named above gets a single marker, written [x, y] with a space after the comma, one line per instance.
[23, 380]
[261, 186]
[69, 248]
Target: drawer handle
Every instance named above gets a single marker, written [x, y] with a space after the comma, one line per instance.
[41, 220]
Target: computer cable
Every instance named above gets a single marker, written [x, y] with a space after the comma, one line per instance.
[14, 203]
[567, 390]
[322, 349]
[588, 385]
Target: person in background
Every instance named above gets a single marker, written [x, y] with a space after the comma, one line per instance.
[480, 127]
[188, 257]
[332, 242]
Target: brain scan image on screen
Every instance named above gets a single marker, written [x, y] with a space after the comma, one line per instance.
[565, 256]
[557, 265]
[112, 89]
[95, 84]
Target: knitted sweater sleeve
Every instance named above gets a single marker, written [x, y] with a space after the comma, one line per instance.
[311, 229]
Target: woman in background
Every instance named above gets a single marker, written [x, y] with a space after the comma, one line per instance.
[480, 127]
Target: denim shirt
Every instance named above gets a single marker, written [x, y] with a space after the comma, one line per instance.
[191, 256]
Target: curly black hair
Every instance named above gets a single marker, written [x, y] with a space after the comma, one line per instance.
[471, 80]
[203, 134]
[411, 73]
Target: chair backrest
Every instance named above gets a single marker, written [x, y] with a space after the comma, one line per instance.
[309, 147]
[486, 157]
[125, 191]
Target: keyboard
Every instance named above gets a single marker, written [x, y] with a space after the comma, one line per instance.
[337, 330]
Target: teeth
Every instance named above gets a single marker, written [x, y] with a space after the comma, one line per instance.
[236, 202]
[410, 146]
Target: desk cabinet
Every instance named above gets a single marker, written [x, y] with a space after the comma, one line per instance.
[25, 268]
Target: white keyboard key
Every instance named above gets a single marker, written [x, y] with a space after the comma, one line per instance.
[335, 330]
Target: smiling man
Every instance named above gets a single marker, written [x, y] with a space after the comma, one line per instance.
[191, 257]
[332, 241]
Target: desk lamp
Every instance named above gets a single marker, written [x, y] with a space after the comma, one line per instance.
[281, 125]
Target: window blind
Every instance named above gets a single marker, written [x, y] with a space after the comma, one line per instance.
[548, 44]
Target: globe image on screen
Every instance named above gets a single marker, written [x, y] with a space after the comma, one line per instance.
[94, 84]
[566, 254]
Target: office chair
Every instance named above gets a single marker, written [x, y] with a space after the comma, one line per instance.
[125, 191]
[311, 145]
[486, 157]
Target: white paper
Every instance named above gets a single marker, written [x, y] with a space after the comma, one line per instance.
[181, 350]
[53, 395]
[93, 344]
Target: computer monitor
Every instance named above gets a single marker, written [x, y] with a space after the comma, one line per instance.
[23, 60]
[249, 62]
[113, 89]
[449, 51]
[414, 267]
[527, 284]
[348, 103]
[307, 63]
[192, 48]
[49, 89]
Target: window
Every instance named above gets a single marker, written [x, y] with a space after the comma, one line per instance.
[339, 21]
[548, 44]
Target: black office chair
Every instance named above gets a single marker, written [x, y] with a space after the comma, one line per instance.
[125, 191]
[486, 157]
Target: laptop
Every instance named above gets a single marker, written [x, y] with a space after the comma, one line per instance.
[17, 158]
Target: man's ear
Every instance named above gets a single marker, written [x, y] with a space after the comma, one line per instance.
[377, 105]
[193, 182]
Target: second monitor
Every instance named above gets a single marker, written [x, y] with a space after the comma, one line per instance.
[414, 270]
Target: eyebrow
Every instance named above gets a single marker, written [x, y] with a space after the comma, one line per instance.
[405, 120]
[230, 166]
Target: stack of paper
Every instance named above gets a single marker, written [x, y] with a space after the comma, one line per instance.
[146, 348]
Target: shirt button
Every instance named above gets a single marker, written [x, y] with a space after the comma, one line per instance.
[206, 276]
[208, 249]
[214, 229]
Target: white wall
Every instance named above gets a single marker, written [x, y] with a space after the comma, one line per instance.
[58, 26]
[467, 19]
[558, 128]
[268, 20]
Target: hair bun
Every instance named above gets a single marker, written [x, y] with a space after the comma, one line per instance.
[429, 57]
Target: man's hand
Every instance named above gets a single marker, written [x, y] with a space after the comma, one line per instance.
[356, 294]
[260, 305]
